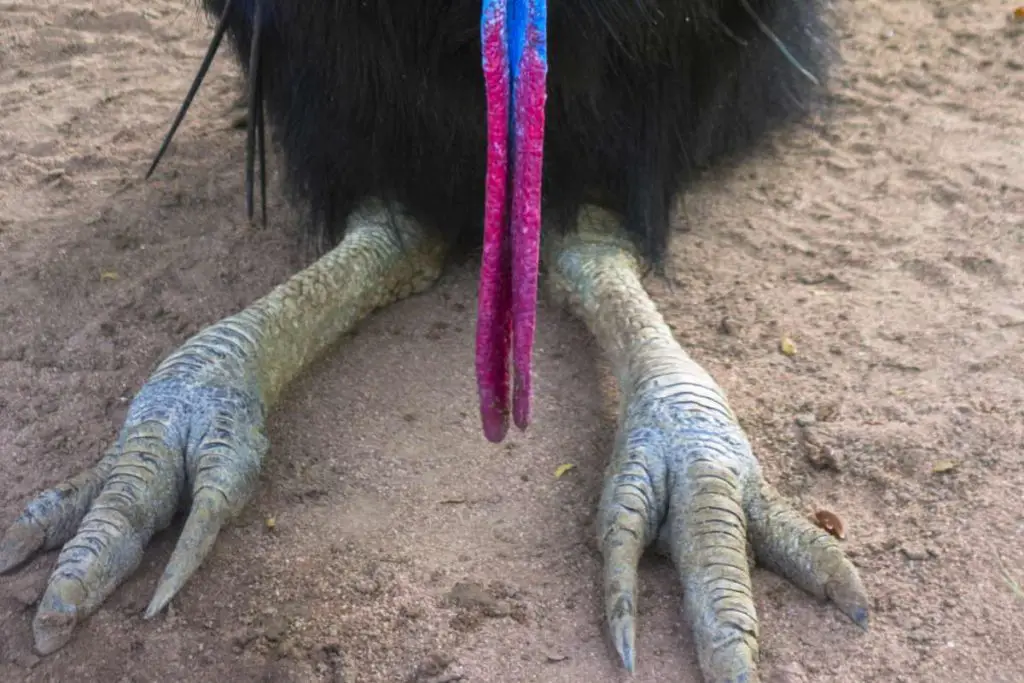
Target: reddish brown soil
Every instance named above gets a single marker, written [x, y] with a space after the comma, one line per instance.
[888, 244]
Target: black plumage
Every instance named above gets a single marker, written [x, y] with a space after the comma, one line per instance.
[385, 98]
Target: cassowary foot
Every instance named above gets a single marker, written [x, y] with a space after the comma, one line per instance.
[682, 476]
[685, 478]
[194, 434]
[193, 427]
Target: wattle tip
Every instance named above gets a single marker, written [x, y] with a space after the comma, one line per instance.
[495, 424]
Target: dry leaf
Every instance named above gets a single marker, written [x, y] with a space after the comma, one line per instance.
[787, 347]
[562, 469]
[830, 522]
[1018, 14]
[108, 275]
[943, 466]
[270, 523]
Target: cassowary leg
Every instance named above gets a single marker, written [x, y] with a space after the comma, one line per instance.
[682, 473]
[194, 434]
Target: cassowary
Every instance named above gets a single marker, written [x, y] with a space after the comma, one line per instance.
[410, 131]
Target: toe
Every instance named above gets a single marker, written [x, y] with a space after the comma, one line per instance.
[632, 507]
[707, 542]
[52, 518]
[790, 545]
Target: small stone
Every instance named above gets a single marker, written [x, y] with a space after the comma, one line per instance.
[499, 609]
[915, 551]
[826, 412]
[412, 612]
[467, 594]
[242, 640]
[911, 623]
[431, 667]
[919, 636]
[787, 347]
[554, 657]
[286, 650]
[821, 456]
[366, 586]
[806, 419]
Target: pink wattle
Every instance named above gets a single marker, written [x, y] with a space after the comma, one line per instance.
[494, 307]
[507, 304]
[530, 97]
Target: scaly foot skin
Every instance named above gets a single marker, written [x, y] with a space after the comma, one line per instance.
[194, 434]
[196, 426]
[682, 476]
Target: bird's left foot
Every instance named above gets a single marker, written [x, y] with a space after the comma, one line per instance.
[683, 476]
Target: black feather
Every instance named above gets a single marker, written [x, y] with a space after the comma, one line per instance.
[254, 134]
[385, 98]
[211, 51]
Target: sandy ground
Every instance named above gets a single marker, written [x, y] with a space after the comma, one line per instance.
[888, 244]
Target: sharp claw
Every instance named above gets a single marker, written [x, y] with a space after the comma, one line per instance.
[209, 512]
[625, 646]
[225, 473]
[622, 552]
[790, 545]
[51, 519]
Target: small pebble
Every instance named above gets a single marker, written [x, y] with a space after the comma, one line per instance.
[915, 551]
[806, 419]
[728, 326]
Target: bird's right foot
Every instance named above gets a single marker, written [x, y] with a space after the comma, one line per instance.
[197, 427]
[194, 434]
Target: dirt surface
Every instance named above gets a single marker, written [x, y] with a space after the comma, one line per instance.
[887, 244]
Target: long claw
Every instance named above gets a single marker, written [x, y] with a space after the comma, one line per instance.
[790, 545]
[51, 519]
[622, 550]
[209, 512]
[226, 471]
